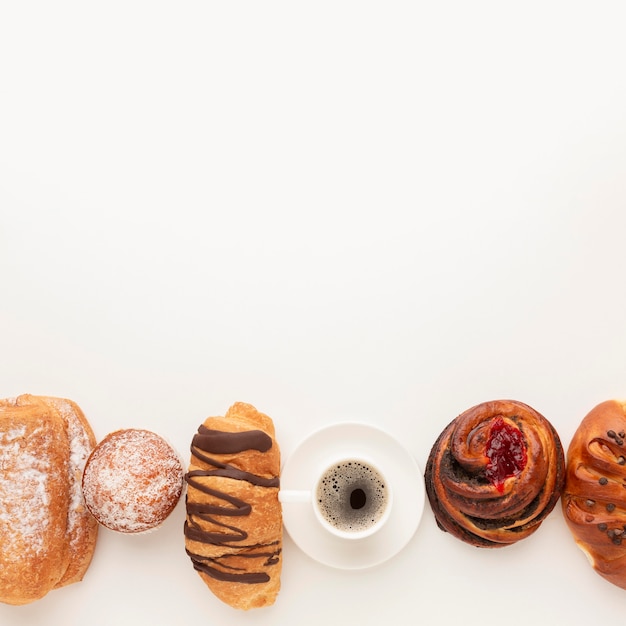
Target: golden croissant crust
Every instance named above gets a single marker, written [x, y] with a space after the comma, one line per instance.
[233, 530]
[495, 473]
[594, 498]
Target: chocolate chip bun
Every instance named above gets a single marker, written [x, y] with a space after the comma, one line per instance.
[47, 536]
[594, 498]
[233, 530]
[495, 473]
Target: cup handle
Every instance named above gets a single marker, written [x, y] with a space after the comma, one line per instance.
[294, 495]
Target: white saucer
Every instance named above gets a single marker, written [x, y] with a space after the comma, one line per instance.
[403, 474]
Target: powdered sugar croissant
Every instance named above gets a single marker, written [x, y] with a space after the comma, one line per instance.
[233, 530]
[47, 537]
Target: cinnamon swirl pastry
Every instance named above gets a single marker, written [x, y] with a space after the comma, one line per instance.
[594, 498]
[495, 473]
[233, 530]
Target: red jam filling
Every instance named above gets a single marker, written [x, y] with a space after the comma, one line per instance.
[506, 453]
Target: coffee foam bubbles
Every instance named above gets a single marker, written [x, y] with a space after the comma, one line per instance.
[337, 488]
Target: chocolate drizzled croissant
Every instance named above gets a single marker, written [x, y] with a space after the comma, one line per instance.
[233, 530]
[594, 498]
[495, 473]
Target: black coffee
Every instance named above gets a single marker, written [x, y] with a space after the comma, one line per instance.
[352, 496]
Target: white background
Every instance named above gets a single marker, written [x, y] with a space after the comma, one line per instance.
[378, 211]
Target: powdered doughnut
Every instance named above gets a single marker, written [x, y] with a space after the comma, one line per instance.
[132, 481]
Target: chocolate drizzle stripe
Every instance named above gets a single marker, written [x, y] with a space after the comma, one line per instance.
[217, 538]
[229, 471]
[250, 578]
[239, 507]
[219, 442]
[271, 556]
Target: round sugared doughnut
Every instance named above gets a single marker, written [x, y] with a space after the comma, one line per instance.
[132, 481]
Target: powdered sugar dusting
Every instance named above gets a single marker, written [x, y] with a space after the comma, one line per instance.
[24, 500]
[132, 481]
[80, 447]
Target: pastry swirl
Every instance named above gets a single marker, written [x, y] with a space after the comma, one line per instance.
[594, 497]
[495, 473]
[233, 530]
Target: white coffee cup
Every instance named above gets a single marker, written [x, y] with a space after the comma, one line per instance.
[351, 497]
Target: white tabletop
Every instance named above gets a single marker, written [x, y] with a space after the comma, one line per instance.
[376, 212]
